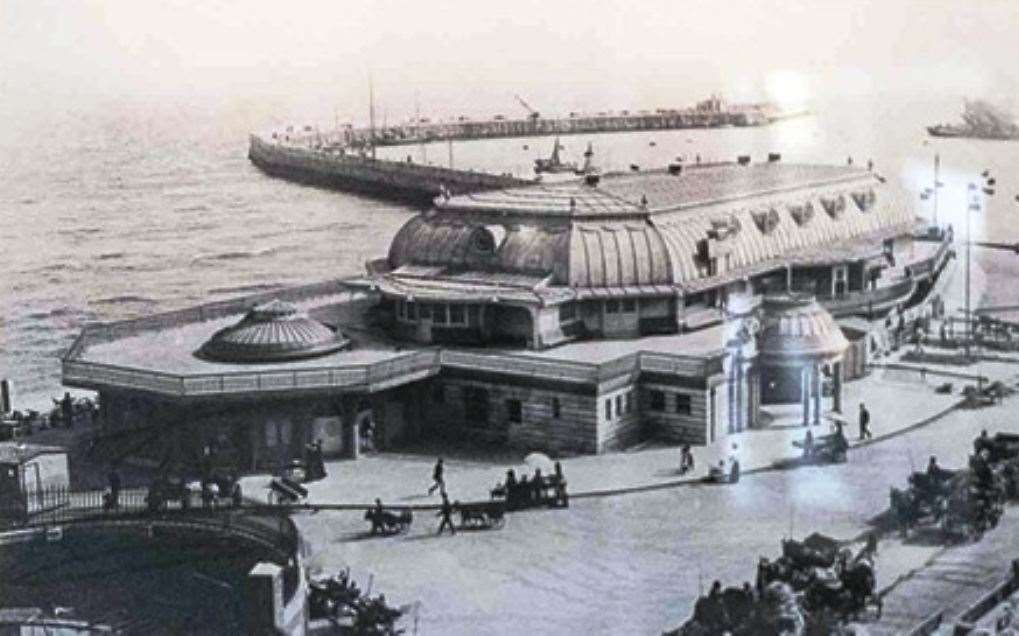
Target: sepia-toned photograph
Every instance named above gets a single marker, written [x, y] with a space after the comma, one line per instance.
[372, 317]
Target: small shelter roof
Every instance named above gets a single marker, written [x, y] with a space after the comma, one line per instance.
[796, 330]
[274, 331]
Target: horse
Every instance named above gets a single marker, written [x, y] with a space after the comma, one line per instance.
[386, 522]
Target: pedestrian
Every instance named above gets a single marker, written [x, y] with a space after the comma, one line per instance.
[235, 493]
[734, 468]
[538, 486]
[808, 445]
[67, 409]
[446, 512]
[320, 466]
[114, 479]
[685, 460]
[437, 479]
[865, 423]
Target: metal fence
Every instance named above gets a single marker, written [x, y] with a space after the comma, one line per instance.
[56, 506]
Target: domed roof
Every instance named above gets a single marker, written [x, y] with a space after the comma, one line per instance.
[274, 332]
[796, 329]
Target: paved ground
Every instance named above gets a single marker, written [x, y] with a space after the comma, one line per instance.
[632, 563]
[951, 579]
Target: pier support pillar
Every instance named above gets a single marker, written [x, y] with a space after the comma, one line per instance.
[837, 387]
[816, 382]
[805, 393]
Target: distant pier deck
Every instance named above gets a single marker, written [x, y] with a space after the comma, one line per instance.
[500, 127]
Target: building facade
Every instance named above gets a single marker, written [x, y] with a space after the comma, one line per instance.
[575, 318]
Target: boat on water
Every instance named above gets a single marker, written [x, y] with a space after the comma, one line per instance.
[981, 120]
[554, 165]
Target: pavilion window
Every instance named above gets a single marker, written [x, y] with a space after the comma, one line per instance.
[657, 399]
[567, 312]
[473, 315]
[608, 408]
[612, 306]
[439, 316]
[412, 310]
[557, 408]
[684, 404]
[629, 401]
[619, 404]
[425, 312]
[457, 315]
[629, 306]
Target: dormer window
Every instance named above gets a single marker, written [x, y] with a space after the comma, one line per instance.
[834, 206]
[766, 220]
[864, 200]
[802, 214]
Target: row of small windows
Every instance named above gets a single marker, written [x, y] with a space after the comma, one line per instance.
[514, 407]
[438, 313]
[658, 401]
[621, 404]
[624, 404]
[625, 306]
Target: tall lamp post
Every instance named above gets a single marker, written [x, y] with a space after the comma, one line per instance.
[932, 192]
[974, 206]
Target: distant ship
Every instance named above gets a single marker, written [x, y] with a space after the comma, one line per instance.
[553, 164]
[981, 120]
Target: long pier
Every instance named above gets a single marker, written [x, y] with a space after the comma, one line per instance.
[342, 170]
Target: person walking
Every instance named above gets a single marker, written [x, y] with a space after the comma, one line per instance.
[114, 483]
[446, 512]
[865, 423]
[437, 479]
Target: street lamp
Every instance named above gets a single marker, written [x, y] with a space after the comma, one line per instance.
[933, 191]
[974, 206]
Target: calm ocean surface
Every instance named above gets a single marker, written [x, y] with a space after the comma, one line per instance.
[124, 212]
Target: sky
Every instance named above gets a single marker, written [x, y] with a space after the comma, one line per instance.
[472, 57]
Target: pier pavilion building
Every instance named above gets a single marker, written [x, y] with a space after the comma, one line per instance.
[580, 317]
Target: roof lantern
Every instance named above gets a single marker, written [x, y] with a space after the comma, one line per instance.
[276, 331]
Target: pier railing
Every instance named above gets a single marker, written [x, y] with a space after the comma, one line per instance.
[405, 367]
[98, 333]
[54, 507]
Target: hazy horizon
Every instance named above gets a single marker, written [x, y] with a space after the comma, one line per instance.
[264, 61]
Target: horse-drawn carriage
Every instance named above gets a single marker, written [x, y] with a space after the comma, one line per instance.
[828, 578]
[388, 522]
[540, 491]
[959, 503]
[824, 449]
[998, 454]
[482, 514]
